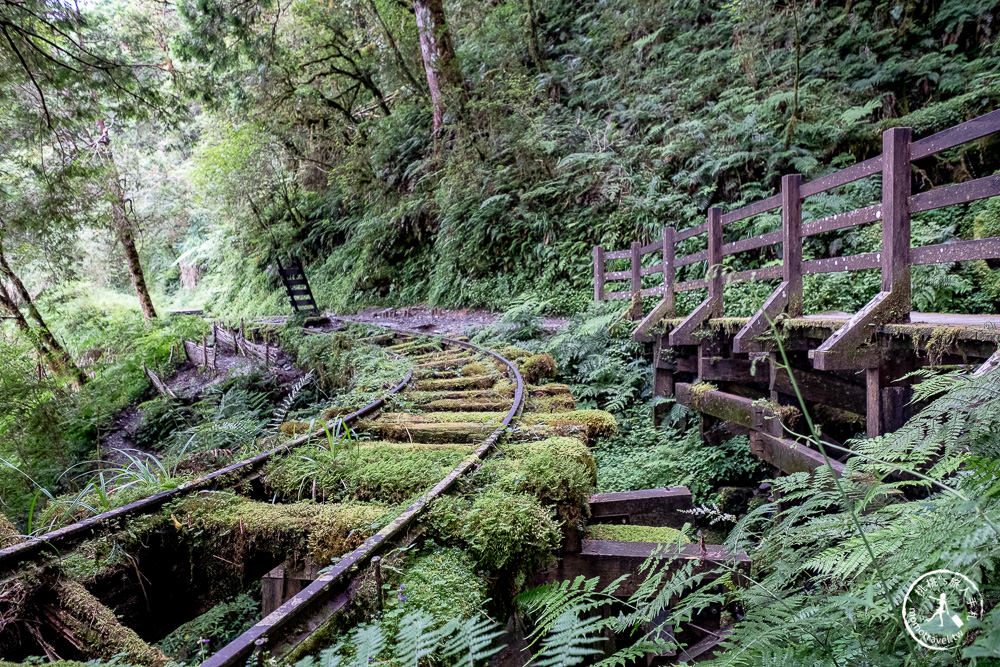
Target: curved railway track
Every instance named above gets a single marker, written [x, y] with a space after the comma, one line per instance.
[332, 591]
[295, 620]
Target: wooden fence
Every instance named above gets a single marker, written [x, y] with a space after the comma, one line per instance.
[891, 304]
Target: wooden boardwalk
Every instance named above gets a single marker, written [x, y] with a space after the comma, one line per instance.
[850, 367]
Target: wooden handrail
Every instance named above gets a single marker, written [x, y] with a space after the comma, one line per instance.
[895, 258]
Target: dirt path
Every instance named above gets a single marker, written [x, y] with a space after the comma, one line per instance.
[188, 382]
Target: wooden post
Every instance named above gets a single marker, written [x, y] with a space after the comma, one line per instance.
[714, 269]
[636, 257]
[669, 271]
[791, 241]
[896, 218]
[267, 351]
[598, 273]
[243, 331]
[204, 349]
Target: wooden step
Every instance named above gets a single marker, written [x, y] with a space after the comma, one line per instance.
[648, 507]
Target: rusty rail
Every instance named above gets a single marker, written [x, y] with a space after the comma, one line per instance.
[332, 590]
[67, 536]
[891, 304]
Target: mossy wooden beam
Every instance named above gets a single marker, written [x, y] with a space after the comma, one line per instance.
[96, 628]
[789, 456]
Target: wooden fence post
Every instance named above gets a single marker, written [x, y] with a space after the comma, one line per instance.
[714, 269]
[896, 218]
[791, 241]
[635, 312]
[669, 271]
[598, 273]
[204, 350]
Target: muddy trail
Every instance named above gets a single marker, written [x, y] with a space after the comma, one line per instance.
[189, 382]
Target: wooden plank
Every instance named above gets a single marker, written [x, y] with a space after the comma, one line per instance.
[681, 334]
[825, 388]
[959, 134]
[690, 232]
[618, 254]
[661, 310]
[658, 290]
[848, 175]
[295, 291]
[867, 260]
[958, 193]
[295, 281]
[291, 272]
[649, 270]
[719, 369]
[618, 275]
[612, 296]
[651, 247]
[761, 320]
[840, 350]
[598, 273]
[752, 243]
[756, 208]
[765, 273]
[687, 285]
[860, 216]
[790, 456]
[609, 560]
[647, 507]
[684, 260]
[957, 251]
[989, 365]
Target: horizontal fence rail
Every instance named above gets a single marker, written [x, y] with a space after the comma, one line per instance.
[893, 302]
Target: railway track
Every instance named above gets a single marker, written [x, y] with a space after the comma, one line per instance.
[462, 399]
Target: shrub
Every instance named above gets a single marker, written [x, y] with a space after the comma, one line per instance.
[510, 531]
[213, 629]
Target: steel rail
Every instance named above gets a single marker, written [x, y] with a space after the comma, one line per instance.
[72, 534]
[332, 590]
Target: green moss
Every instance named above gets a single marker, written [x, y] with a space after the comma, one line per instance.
[99, 629]
[560, 472]
[430, 432]
[537, 367]
[557, 403]
[513, 352]
[473, 382]
[296, 428]
[469, 405]
[510, 531]
[321, 530]
[622, 533]
[9, 534]
[441, 581]
[594, 423]
[477, 368]
[385, 473]
[554, 389]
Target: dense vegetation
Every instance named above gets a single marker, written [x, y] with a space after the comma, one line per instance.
[167, 155]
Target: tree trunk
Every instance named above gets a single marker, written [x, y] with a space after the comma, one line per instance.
[55, 355]
[438, 55]
[123, 223]
[534, 50]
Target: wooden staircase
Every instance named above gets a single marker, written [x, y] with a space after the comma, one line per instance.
[293, 276]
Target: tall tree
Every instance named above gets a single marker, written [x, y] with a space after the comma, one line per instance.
[438, 52]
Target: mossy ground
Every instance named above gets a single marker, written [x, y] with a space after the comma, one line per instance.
[623, 533]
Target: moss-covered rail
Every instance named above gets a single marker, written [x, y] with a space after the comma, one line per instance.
[58, 541]
[293, 622]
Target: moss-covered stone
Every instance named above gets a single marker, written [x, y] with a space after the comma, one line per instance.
[537, 367]
[623, 533]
